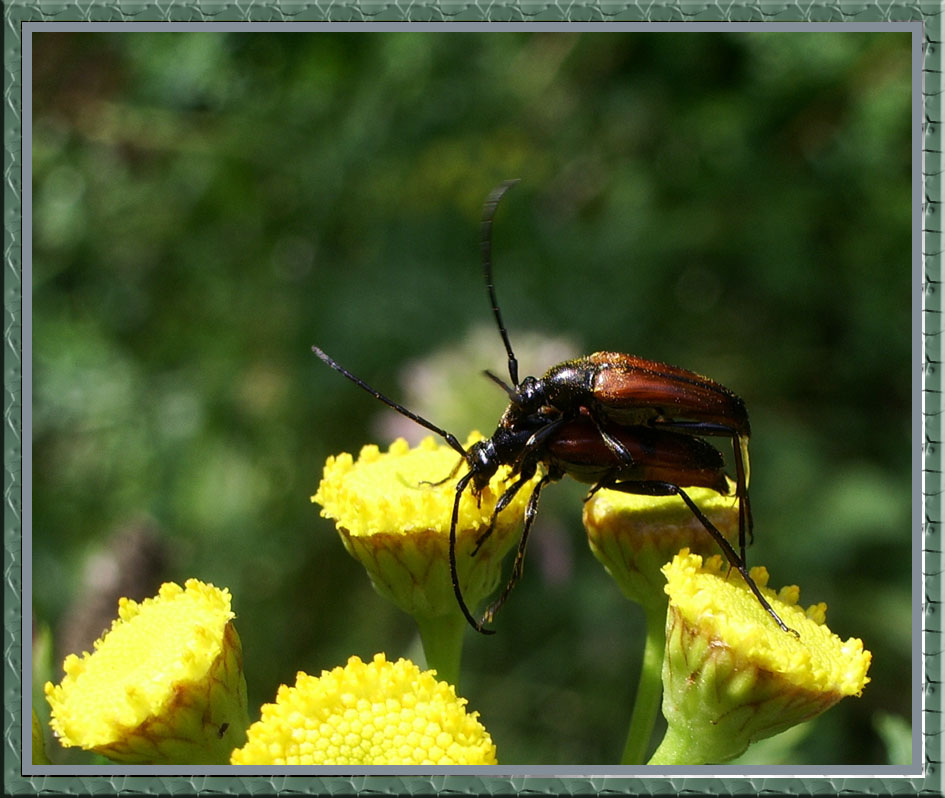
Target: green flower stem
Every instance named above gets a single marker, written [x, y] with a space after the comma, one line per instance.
[39, 745]
[677, 749]
[442, 638]
[649, 689]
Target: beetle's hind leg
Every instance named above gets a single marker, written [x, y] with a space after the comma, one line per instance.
[740, 451]
[656, 488]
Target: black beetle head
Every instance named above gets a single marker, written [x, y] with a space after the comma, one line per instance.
[482, 460]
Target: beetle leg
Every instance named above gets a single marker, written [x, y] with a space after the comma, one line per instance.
[448, 477]
[740, 448]
[740, 444]
[607, 482]
[500, 505]
[616, 447]
[654, 488]
[530, 512]
[525, 467]
[501, 383]
[535, 440]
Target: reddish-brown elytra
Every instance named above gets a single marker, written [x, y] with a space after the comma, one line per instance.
[616, 421]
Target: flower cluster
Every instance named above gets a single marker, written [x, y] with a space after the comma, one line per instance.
[165, 683]
[165, 686]
[375, 713]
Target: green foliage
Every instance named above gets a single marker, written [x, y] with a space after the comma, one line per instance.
[209, 205]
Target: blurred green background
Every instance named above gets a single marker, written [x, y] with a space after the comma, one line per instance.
[206, 206]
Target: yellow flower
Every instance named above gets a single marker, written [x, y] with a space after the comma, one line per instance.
[164, 685]
[731, 676]
[376, 713]
[394, 517]
[634, 536]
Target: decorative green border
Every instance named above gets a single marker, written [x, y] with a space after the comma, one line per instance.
[927, 396]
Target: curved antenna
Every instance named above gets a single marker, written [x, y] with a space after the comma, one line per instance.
[485, 244]
[448, 437]
[479, 626]
[501, 383]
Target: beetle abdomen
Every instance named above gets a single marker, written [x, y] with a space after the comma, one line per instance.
[579, 449]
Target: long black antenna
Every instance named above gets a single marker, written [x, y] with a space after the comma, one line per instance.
[454, 570]
[448, 437]
[485, 244]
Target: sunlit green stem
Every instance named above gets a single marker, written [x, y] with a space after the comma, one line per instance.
[442, 638]
[677, 749]
[39, 745]
[650, 688]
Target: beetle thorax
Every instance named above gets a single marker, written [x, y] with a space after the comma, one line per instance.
[529, 395]
[566, 386]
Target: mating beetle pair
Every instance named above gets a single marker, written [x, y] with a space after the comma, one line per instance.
[616, 421]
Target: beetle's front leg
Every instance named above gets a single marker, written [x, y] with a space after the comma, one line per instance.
[500, 505]
[530, 512]
[448, 477]
[454, 570]
[525, 465]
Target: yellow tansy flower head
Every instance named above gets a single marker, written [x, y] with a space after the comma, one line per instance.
[393, 512]
[375, 713]
[634, 536]
[731, 676]
[164, 685]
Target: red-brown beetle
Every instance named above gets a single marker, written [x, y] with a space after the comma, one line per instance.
[617, 421]
[626, 390]
[659, 462]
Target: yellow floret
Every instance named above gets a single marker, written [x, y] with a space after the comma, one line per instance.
[393, 510]
[633, 536]
[167, 666]
[375, 713]
[713, 596]
[401, 490]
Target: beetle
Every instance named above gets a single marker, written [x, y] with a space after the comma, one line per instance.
[616, 421]
[659, 459]
[627, 390]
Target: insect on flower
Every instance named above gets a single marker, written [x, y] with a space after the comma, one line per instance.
[615, 421]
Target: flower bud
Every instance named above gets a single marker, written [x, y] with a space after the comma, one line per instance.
[634, 536]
